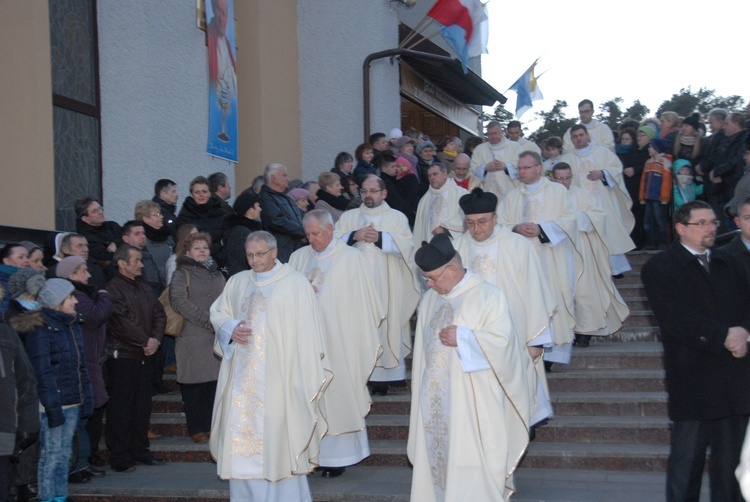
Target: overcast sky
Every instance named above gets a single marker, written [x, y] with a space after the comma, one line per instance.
[638, 49]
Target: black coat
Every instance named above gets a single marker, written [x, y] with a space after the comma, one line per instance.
[169, 214]
[99, 238]
[730, 165]
[281, 216]
[236, 230]
[695, 309]
[19, 407]
[737, 250]
[208, 217]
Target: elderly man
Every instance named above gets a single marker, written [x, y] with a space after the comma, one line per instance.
[136, 329]
[508, 261]
[280, 214]
[466, 353]
[542, 212]
[103, 236]
[700, 297]
[382, 235]
[515, 134]
[461, 174]
[600, 310]
[495, 162]
[267, 423]
[339, 274]
[76, 245]
[599, 171]
[600, 132]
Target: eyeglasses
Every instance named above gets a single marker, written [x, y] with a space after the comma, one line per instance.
[154, 215]
[371, 192]
[703, 223]
[435, 279]
[259, 254]
[482, 222]
[99, 209]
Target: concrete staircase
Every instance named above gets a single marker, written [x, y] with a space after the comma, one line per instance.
[610, 431]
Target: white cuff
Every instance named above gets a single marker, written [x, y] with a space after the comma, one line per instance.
[553, 232]
[512, 170]
[389, 246]
[225, 337]
[469, 352]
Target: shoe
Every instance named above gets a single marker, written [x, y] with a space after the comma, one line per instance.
[126, 467]
[26, 493]
[379, 389]
[200, 437]
[79, 478]
[153, 435]
[172, 368]
[97, 461]
[548, 366]
[94, 472]
[152, 461]
[332, 472]
[618, 276]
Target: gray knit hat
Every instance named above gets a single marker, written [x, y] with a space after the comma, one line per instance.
[54, 292]
[68, 266]
[27, 280]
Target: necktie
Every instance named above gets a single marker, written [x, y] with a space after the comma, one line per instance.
[703, 258]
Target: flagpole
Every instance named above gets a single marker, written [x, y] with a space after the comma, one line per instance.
[416, 30]
[425, 38]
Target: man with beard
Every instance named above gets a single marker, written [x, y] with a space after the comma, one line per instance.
[700, 297]
[382, 235]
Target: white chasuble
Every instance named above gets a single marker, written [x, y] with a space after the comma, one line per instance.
[389, 268]
[469, 419]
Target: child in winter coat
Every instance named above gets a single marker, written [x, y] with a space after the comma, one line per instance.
[655, 194]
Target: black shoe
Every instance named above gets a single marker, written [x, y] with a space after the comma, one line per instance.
[618, 276]
[126, 467]
[26, 493]
[94, 472]
[78, 478]
[582, 340]
[379, 389]
[151, 461]
[332, 472]
[548, 366]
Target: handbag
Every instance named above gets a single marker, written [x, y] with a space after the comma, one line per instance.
[174, 320]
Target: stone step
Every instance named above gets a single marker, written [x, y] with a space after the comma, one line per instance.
[640, 318]
[564, 379]
[639, 404]
[613, 429]
[631, 334]
[641, 257]
[597, 456]
[629, 278]
[198, 483]
[637, 303]
[602, 355]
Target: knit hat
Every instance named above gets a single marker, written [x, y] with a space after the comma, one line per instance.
[298, 193]
[435, 254]
[404, 140]
[68, 266]
[246, 200]
[403, 160]
[54, 292]
[423, 145]
[26, 280]
[659, 146]
[30, 246]
[648, 131]
[478, 202]
[395, 133]
[693, 120]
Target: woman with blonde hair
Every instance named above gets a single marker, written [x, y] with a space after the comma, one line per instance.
[330, 195]
[195, 285]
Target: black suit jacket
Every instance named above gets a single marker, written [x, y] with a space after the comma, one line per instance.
[736, 248]
[695, 309]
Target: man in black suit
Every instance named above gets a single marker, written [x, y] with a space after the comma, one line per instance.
[700, 298]
[739, 247]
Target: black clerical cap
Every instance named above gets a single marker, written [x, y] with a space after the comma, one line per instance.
[478, 202]
[435, 254]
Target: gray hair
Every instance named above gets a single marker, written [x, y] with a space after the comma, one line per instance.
[718, 112]
[272, 169]
[322, 216]
[262, 236]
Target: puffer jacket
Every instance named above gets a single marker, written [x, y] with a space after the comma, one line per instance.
[281, 216]
[137, 316]
[55, 349]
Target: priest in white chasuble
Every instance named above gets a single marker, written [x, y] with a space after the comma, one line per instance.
[438, 211]
[267, 422]
[351, 314]
[471, 391]
[383, 236]
[495, 162]
[600, 310]
[508, 261]
[542, 212]
[599, 171]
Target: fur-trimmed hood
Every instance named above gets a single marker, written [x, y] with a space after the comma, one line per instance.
[27, 322]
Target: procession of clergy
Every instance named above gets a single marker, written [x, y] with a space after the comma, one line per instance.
[502, 280]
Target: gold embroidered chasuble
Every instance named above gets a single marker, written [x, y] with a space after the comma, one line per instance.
[267, 423]
[468, 431]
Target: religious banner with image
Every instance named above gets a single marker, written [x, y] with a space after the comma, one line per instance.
[222, 80]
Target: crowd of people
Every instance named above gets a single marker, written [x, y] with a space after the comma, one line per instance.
[282, 313]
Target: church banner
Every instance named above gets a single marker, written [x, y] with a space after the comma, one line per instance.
[222, 80]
